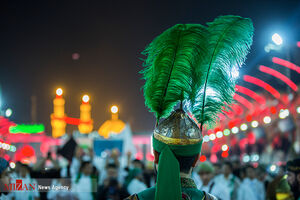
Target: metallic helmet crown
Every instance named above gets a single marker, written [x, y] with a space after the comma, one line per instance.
[178, 129]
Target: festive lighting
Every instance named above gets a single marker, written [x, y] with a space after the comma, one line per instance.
[114, 109]
[219, 134]
[27, 151]
[286, 63]
[246, 158]
[85, 98]
[244, 127]
[298, 109]
[225, 154]
[213, 158]
[224, 147]
[8, 112]
[254, 157]
[212, 136]
[7, 147]
[86, 123]
[273, 168]
[29, 129]
[276, 38]
[251, 94]
[59, 92]
[243, 101]
[202, 158]
[248, 118]
[283, 113]
[254, 124]
[278, 75]
[267, 120]
[58, 123]
[226, 132]
[235, 130]
[12, 165]
[206, 138]
[273, 110]
[262, 84]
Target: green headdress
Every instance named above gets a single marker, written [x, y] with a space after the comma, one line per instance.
[193, 66]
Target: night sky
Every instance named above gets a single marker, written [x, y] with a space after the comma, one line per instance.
[37, 40]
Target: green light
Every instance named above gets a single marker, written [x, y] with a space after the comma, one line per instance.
[226, 132]
[24, 128]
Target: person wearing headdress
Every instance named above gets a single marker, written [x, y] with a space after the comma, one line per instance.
[293, 172]
[190, 74]
[208, 182]
[4, 179]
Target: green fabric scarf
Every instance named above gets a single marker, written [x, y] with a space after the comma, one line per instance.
[168, 184]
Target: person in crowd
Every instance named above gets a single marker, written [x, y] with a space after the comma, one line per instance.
[65, 193]
[30, 194]
[16, 171]
[149, 174]
[293, 172]
[283, 190]
[259, 183]
[111, 189]
[44, 171]
[246, 190]
[135, 181]
[138, 164]
[4, 179]
[208, 183]
[217, 168]
[229, 180]
[85, 184]
[76, 160]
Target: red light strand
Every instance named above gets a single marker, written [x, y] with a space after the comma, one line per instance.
[251, 94]
[286, 63]
[262, 84]
[278, 75]
[243, 101]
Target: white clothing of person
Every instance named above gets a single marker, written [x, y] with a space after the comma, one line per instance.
[74, 167]
[83, 188]
[215, 188]
[5, 197]
[136, 186]
[260, 189]
[231, 183]
[27, 195]
[247, 190]
[60, 194]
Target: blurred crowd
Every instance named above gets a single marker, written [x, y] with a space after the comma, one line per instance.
[88, 178]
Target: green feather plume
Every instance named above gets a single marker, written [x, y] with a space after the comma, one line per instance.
[171, 58]
[196, 65]
[228, 43]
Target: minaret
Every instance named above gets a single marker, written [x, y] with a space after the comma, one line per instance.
[58, 122]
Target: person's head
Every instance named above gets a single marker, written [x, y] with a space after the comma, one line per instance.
[218, 168]
[250, 172]
[4, 175]
[261, 173]
[86, 168]
[227, 168]
[205, 171]
[186, 163]
[18, 166]
[112, 171]
[24, 170]
[138, 164]
[293, 172]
